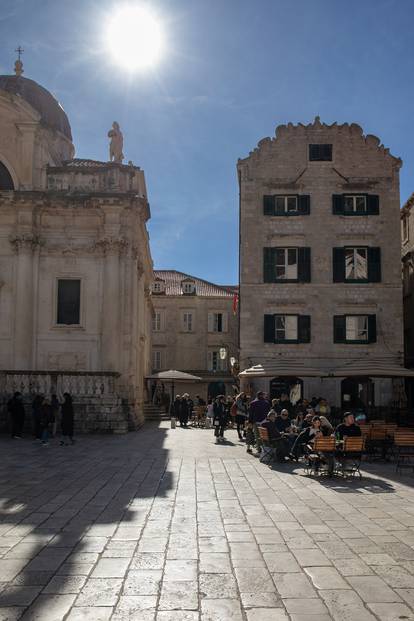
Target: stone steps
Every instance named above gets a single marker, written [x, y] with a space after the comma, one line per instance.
[154, 412]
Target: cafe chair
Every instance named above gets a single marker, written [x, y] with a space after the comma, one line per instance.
[348, 459]
[268, 451]
[321, 455]
[404, 448]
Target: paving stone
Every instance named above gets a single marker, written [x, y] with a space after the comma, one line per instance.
[309, 558]
[290, 585]
[11, 613]
[110, 568]
[142, 582]
[260, 600]
[177, 615]
[19, 595]
[373, 589]
[221, 610]
[150, 560]
[178, 595]
[9, 568]
[217, 586]
[49, 608]
[346, 605]
[102, 591]
[65, 584]
[258, 580]
[326, 578]
[310, 617]
[392, 612]
[281, 562]
[378, 559]
[32, 578]
[352, 567]
[180, 570]
[267, 614]
[97, 613]
[300, 606]
[395, 576]
[215, 563]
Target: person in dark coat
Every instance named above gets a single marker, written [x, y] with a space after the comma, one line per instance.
[67, 420]
[36, 405]
[46, 418]
[221, 418]
[184, 410]
[15, 408]
[175, 408]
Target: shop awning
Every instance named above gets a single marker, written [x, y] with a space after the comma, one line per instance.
[371, 368]
[281, 368]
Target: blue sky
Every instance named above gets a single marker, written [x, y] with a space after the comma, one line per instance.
[232, 71]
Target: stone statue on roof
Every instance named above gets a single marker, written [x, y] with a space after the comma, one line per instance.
[116, 144]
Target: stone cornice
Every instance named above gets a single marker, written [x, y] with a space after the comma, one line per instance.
[26, 242]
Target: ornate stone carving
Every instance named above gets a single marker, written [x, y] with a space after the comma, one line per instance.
[116, 144]
[26, 242]
[111, 245]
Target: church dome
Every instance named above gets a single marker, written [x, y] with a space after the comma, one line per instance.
[51, 112]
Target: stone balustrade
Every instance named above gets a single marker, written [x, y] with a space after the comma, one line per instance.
[97, 403]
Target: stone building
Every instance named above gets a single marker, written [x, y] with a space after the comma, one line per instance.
[407, 253]
[75, 265]
[193, 320]
[320, 276]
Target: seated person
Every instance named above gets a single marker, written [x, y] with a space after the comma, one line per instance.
[307, 436]
[307, 421]
[276, 440]
[283, 422]
[348, 429]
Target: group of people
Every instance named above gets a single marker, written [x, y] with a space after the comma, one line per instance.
[46, 413]
[291, 428]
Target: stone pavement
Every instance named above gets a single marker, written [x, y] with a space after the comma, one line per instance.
[163, 525]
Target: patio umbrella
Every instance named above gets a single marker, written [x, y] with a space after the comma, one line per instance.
[173, 376]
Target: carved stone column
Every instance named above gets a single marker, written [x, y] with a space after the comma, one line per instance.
[111, 311]
[24, 246]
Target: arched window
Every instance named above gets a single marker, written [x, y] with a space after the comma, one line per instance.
[6, 182]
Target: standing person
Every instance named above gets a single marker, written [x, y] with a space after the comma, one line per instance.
[46, 417]
[67, 420]
[55, 405]
[184, 410]
[36, 405]
[250, 439]
[241, 413]
[220, 418]
[175, 408]
[210, 413]
[258, 411]
[15, 408]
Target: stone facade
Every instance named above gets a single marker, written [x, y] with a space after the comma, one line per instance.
[407, 237]
[187, 334]
[346, 197]
[71, 224]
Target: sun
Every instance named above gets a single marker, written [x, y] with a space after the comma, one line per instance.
[134, 37]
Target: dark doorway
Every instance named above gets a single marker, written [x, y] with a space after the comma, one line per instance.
[291, 386]
[216, 388]
[6, 182]
[357, 393]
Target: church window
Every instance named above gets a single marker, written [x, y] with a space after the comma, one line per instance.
[68, 301]
[320, 152]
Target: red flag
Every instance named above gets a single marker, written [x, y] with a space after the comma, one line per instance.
[235, 303]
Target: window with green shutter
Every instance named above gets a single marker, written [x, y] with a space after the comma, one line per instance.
[356, 264]
[288, 329]
[286, 205]
[355, 329]
[355, 204]
[286, 265]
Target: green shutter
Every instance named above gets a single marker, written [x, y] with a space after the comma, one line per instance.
[372, 328]
[337, 204]
[268, 205]
[304, 264]
[338, 264]
[269, 328]
[339, 322]
[304, 205]
[304, 328]
[269, 272]
[374, 264]
[372, 204]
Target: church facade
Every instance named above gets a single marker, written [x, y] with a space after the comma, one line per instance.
[75, 265]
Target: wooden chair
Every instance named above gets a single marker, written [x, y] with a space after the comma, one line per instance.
[378, 421]
[404, 447]
[322, 451]
[377, 442]
[268, 452]
[349, 458]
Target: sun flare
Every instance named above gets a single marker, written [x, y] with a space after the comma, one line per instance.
[134, 37]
